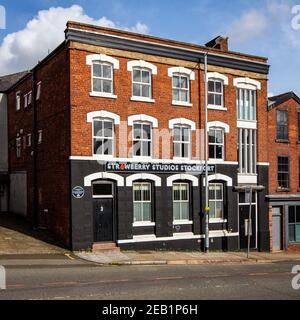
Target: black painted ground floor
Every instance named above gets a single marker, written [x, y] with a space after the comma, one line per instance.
[164, 210]
[4, 183]
[284, 221]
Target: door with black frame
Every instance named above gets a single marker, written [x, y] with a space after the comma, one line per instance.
[244, 208]
[103, 205]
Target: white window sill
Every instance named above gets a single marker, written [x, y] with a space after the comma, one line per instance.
[181, 222]
[142, 158]
[181, 159]
[182, 103]
[103, 157]
[103, 95]
[212, 107]
[217, 221]
[142, 99]
[216, 160]
[247, 124]
[143, 224]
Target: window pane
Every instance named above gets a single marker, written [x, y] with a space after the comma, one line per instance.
[177, 150]
[146, 149]
[176, 192]
[297, 231]
[98, 128]
[211, 136]
[108, 129]
[185, 134]
[219, 152]
[219, 189]
[107, 86]
[219, 210]
[219, 136]
[147, 211]
[136, 75]
[212, 212]
[97, 85]
[211, 152]
[186, 148]
[96, 70]
[176, 134]
[107, 71]
[185, 211]
[137, 211]
[136, 90]
[137, 192]
[218, 100]
[211, 86]
[145, 76]
[292, 235]
[98, 146]
[292, 214]
[218, 87]
[146, 91]
[146, 131]
[211, 98]
[211, 192]
[176, 82]
[102, 189]
[184, 96]
[176, 210]
[175, 95]
[137, 148]
[184, 192]
[108, 146]
[137, 128]
[146, 192]
[184, 82]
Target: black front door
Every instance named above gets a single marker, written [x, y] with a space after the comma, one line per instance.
[103, 220]
[244, 217]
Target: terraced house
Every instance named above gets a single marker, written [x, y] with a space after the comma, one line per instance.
[108, 135]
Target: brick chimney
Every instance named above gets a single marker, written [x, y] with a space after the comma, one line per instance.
[219, 42]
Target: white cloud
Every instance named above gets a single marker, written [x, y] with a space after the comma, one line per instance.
[250, 25]
[23, 49]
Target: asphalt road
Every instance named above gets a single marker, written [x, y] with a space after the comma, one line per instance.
[59, 277]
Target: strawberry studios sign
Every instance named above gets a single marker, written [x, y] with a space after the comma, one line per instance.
[157, 167]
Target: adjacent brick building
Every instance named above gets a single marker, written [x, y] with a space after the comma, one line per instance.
[284, 171]
[106, 137]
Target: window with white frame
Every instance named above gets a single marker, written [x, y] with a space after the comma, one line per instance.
[103, 136]
[215, 93]
[247, 150]
[102, 77]
[181, 203]
[142, 139]
[181, 141]
[216, 143]
[40, 136]
[18, 101]
[141, 82]
[27, 99]
[216, 201]
[142, 202]
[29, 138]
[18, 147]
[181, 87]
[246, 104]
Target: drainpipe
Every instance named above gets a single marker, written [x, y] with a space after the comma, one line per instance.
[35, 152]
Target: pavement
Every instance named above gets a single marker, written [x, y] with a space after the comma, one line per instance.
[182, 257]
[18, 241]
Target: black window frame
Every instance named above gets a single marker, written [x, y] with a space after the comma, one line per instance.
[282, 126]
[281, 185]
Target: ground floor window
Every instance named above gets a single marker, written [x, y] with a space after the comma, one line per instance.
[216, 200]
[294, 223]
[142, 202]
[181, 201]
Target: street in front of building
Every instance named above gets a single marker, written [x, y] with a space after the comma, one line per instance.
[59, 277]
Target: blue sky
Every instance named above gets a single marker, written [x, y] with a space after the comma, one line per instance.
[260, 27]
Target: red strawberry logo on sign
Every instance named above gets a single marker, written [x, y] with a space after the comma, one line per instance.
[122, 166]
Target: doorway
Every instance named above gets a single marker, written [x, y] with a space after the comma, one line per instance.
[103, 206]
[276, 229]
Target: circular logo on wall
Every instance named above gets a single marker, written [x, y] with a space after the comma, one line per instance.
[78, 192]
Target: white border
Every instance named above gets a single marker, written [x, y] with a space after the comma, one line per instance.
[142, 117]
[103, 175]
[103, 58]
[182, 176]
[218, 124]
[141, 64]
[143, 176]
[247, 83]
[182, 121]
[217, 76]
[219, 176]
[181, 70]
[103, 114]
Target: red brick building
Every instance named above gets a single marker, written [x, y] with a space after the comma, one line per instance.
[284, 171]
[106, 142]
